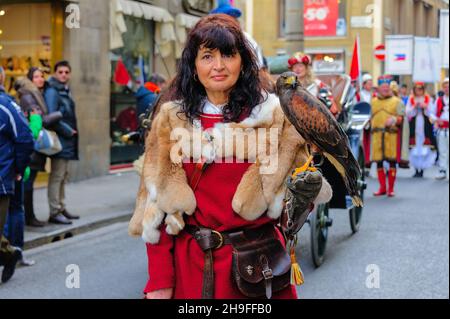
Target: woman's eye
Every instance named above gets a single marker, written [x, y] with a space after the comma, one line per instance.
[227, 56]
[207, 57]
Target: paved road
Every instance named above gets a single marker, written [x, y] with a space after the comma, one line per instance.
[406, 238]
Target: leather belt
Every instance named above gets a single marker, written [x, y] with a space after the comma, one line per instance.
[208, 240]
[385, 130]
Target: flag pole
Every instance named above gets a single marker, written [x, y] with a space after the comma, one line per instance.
[359, 62]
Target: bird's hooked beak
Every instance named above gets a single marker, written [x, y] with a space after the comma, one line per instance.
[291, 81]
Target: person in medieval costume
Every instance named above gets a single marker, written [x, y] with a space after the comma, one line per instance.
[403, 141]
[301, 64]
[387, 120]
[422, 138]
[440, 118]
[200, 203]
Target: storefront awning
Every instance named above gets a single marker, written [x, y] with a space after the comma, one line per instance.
[183, 23]
[145, 11]
[186, 20]
[164, 34]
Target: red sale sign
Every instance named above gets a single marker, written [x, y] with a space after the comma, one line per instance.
[320, 17]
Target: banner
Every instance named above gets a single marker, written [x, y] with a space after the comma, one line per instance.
[427, 59]
[320, 17]
[399, 54]
[444, 38]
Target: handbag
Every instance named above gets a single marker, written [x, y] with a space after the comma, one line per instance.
[260, 263]
[48, 143]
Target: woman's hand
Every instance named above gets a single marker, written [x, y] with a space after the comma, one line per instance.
[160, 294]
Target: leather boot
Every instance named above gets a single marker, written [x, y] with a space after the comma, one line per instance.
[30, 218]
[391, 178]
[382, 181]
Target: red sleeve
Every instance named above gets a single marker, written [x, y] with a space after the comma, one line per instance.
[160, 263]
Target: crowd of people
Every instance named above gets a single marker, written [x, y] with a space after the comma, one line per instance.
[42, 106]
[407, 128]
[413, 132]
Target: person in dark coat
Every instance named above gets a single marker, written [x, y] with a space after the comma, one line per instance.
[58, 98]
[146, 95]
[16, 145]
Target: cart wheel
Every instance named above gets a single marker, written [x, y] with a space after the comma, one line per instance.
[319, 222]
[356, 212]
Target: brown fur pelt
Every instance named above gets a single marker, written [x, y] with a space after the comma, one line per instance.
[165, 195]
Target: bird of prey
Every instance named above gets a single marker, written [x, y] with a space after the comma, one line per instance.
[319, 128]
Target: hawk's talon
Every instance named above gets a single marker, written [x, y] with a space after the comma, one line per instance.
[305, 168]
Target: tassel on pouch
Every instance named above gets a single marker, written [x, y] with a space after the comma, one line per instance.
[297, 278]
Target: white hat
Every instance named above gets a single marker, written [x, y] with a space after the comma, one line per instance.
[366, 77]
[445, 80]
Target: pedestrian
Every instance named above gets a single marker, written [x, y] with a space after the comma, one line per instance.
[148, 93]
[58, 97]
[33, 106]
[440, 117]
[366, 94]
[422, 138]
[217, 86]
[403, 93]
[16, 145]
[387, 119]
[301, 64]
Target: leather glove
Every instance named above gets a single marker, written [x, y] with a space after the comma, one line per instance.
[301, 193]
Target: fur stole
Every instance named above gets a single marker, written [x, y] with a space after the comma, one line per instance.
[273, 146]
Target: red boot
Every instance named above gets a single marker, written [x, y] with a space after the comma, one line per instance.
[391, 179]
[382, 181]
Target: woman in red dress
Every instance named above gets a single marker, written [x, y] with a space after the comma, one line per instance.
[195, 174]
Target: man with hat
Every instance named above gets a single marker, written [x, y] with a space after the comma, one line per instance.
[226, 7]
[440, 118]
[387, 118]
[421, 137]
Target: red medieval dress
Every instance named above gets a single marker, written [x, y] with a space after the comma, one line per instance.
[177, 262]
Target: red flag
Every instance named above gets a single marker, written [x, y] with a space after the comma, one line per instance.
[121, 75]
[355, 69]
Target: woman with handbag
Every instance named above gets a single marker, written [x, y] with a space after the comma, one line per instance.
[29, 92]
[208, 210]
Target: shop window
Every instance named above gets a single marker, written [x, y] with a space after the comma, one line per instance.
[25, 39]
[325, 18]
[328, 62]
[137, 58]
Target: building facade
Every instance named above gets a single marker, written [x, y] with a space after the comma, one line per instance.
[147, 36]
[331, 26]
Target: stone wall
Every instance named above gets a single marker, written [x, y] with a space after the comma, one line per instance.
[87, 49]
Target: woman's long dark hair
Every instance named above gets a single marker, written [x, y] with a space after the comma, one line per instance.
[221, 32]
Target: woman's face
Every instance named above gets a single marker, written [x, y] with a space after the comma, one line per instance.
[300, 70]
[216, 71]
[38, 79]
[419, 91]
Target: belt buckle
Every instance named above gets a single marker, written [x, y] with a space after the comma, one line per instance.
[222, 240]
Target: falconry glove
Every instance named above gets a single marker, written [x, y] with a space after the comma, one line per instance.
[301, 192]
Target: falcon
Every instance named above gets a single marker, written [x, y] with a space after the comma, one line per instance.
[315, 123]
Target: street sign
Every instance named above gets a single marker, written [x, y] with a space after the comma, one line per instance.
[380, 52]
